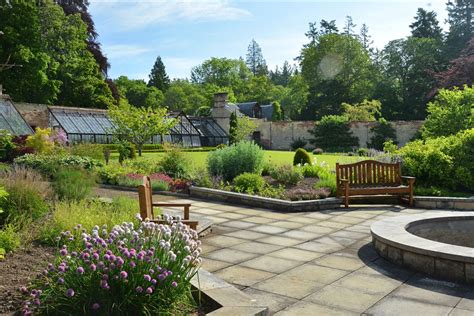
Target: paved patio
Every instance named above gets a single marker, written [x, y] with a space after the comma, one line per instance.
[320, 263]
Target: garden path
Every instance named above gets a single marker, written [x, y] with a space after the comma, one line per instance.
[318, 263]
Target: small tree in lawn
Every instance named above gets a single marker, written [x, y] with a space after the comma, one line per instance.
[245, 127]
[233, 128]
[139, 125]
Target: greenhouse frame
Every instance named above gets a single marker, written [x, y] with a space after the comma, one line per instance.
[11, 120]
[93, 126]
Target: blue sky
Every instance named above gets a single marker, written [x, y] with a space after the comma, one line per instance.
[184, 33]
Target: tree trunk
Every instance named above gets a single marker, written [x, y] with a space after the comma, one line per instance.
[139, 148]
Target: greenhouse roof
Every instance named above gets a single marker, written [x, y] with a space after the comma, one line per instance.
[11, 120]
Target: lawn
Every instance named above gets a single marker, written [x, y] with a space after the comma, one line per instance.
[276, 157]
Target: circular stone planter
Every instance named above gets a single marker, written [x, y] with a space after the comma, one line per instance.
[437, 243]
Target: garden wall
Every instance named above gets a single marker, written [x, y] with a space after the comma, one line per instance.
[280, 135]
[36, 115]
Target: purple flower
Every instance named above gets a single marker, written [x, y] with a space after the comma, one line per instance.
[37, 302]
[93, 267]
[123, 274]
[153, 281]
[133, 264]
[80, 270]
[23, 290]
[95, 306]
[74, 254]
[60, 280]
[161, 277]
[63, 252]
[104, 285]
[174, 284]
[139, 289]
[147, 277]
[149, 290]
[70, 293]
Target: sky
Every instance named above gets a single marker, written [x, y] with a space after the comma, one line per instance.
[185, 33]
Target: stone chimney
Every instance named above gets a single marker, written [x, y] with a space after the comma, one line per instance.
[220, 99]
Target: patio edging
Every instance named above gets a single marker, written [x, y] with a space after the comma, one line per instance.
[231, 300]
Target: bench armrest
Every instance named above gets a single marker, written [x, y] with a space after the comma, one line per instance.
[410, 180]
[172, 204]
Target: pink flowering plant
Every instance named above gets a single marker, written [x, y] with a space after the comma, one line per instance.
[124, 271]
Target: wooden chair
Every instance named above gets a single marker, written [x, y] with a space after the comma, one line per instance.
[145, 197]
[370, 177]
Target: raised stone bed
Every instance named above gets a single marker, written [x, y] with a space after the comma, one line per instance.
[445, 203]
[258, 201]
[436, 243]
[223, 298]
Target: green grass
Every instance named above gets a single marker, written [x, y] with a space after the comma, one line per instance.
[198, 159]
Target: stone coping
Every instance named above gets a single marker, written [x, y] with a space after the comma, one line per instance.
[393, 232]
[258, 201]
[443, 202]
[231, 300]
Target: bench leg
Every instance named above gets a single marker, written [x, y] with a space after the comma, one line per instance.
[346, 195]
[410, 198]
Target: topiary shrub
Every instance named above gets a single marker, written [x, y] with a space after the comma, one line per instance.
[298, 143]
[249, 183]
[382, 132]
[236, 159]
[301, 157]
[126, 150]
[332, 133]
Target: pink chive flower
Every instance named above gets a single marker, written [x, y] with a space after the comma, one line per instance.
[63, 252]
[147, 277]
[80, 270]
[95, 306]
[149, 290]
[123, 274]
[139, 289]
[93, 267]
[70, 293]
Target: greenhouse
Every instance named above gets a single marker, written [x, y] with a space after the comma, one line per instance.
[94, 126]
[11, 120]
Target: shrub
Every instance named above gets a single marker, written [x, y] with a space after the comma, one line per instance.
[286, 174]
[143, 166]
[7, 146]
[382, 132]
[27, 194]
[175, 163]
[236, 159]
[332, 133]
[312, 171]
[298, 143]
[126, 150]
[327, 183]
[94, 151]
[363, 152]
[73, 184]
[10, 239]
[106, 151]
[141, 271]
[249, 183]
[318, 151]
[301, 157]
[270, 191]
[89, 213]
[450, 112]
[389, 146]
[159, 181]
[446, 162]
[221, 146]
[41, 141]
[48, 165]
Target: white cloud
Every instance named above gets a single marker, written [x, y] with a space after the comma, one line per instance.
[180, 67]
[124, 50]
[281, 47]
[139, 14]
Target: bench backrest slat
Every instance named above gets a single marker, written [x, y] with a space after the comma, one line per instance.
[369, 172]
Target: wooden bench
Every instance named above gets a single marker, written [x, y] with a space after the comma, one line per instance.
[145, 197]
[370, 177]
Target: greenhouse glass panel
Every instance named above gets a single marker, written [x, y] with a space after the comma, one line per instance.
[11, 119]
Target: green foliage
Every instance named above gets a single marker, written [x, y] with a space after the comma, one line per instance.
[295, 97]
[139, 125]
[250, 183]
[221, 146]
[298, 143]
[389, 146]
[73, 184]
[158, 77]
[245, 127]
[426, 25]
[337, 69]
[10, 239]
[233, 128]
[236, 159]
[332, 133]
[138, 94]
[451, 112]
[94, 151]
[126, 151]
[277, 114]
[327, 183]
[223, 72]
[27, 194]
[364, 111]
[175, 163]
[7, 146]
[286, 174]
[363, 152]
[312, 170]
[301, 157]
[382, 132]
[47, 165]
[255, 61]
[66, 215]
[446, 162]
[41, 141]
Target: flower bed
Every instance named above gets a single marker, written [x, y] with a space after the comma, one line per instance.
[127, 270]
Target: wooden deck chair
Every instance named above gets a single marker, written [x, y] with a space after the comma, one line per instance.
[145, 197]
